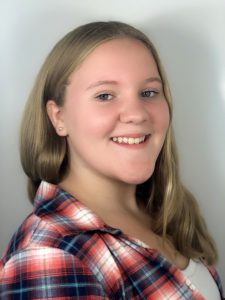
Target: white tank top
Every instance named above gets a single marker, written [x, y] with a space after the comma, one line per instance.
[199, 277]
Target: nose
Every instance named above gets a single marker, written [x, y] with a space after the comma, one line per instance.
[133, 111]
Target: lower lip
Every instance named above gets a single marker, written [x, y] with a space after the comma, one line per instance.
[133, 146]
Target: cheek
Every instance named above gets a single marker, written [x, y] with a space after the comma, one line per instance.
[162, 116]
[88, 121]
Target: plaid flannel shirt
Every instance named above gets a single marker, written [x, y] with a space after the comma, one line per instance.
[64, 251]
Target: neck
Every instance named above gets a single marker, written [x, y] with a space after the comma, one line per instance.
[102, 195]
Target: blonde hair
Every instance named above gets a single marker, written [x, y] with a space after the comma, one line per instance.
[44, 154]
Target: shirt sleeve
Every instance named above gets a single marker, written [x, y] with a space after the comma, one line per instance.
[48, 273]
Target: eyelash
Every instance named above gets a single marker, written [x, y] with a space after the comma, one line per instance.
[104, 97]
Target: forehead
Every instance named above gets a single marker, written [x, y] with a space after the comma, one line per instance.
[117, 57]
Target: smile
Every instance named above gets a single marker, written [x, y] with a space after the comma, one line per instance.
[129, 140]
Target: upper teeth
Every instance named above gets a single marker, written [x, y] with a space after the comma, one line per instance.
[129, 140]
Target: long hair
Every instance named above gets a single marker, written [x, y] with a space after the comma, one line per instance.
[44, 154]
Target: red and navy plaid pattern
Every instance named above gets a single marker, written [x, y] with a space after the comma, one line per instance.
[64, 251]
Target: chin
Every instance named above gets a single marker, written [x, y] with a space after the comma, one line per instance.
[138, 178]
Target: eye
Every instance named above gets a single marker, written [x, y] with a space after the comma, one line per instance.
[104, 97]
[148, 94]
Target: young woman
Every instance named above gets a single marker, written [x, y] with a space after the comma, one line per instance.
[111, 218]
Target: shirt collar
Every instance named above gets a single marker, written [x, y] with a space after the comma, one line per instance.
[69, 215]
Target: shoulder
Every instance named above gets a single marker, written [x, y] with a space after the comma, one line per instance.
[216, 277]
[45, 273]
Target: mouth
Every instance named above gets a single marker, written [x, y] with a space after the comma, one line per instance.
[130, 140]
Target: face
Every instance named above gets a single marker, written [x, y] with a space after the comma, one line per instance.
[115, 115]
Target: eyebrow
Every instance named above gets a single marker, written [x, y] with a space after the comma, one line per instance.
[101, 82]
[113, 82]
[152, 79]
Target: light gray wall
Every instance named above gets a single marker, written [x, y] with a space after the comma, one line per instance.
[190, 37]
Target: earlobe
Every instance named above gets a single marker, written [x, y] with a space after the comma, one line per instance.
[55, 115]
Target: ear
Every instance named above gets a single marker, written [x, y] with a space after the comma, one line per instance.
[55, 114]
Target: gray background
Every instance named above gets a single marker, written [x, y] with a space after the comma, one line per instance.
[189, 35]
